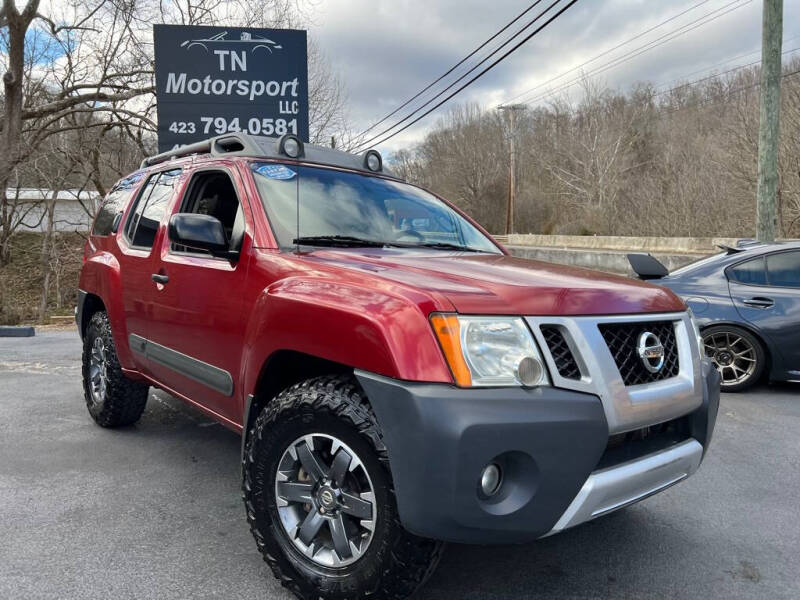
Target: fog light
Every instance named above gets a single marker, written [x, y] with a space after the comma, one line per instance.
[529, 371]
[491, 478]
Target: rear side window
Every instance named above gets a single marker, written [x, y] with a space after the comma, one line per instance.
[114, 204]
[150, 208]
[751, 272]
[784, 269]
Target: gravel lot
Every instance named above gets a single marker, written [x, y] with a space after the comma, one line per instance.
[153, 511]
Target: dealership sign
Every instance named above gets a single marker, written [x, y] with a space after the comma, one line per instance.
[216, 80]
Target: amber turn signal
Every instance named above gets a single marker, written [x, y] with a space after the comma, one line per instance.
[448, 332]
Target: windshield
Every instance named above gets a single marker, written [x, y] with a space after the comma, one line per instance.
[324, 207]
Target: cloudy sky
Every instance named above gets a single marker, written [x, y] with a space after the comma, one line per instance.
[386, 51]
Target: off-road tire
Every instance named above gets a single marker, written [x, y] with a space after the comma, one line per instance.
[396, 563]
[124, 399]
[758, 353]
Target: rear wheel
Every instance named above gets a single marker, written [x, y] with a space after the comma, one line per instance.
[737, 354]
[320, 501]
[113, 400]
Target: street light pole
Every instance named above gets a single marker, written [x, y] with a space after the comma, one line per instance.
[769, 128]
[512, 109]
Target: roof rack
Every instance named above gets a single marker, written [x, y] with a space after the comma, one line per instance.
[257, 146]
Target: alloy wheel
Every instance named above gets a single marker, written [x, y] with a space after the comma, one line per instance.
[733, 355]
[98, 371]
[325, 500]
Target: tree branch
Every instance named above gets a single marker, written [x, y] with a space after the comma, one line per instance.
[52, 108]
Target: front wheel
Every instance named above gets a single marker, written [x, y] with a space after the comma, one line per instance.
[737, 354]
[319, 498]
[113, 400]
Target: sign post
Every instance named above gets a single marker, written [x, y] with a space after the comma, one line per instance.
[216, 80]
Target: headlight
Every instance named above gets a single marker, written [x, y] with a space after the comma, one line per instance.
[696, 329]
[490, 351]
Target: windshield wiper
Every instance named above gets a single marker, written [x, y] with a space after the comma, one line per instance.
[444, 246]
[349, 241]
[344, 241]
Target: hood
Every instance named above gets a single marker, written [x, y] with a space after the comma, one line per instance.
[504, 285]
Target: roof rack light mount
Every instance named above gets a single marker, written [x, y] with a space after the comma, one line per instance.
[269, 147]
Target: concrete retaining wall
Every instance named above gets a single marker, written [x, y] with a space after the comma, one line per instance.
[666, 245]
[613, 261]
[608, 253]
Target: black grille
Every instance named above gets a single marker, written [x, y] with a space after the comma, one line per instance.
[632, 445]
[622, 339]
[562, 355]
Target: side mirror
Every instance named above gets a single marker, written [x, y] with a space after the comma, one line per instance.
[199, 232]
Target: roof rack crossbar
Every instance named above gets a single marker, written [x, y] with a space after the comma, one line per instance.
[203, 147]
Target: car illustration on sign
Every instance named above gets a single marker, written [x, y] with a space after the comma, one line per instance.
[248, 39]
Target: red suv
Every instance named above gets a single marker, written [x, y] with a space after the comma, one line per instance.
[397, 378]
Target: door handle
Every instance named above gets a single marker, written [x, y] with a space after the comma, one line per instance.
[158, 278]
[759, 302]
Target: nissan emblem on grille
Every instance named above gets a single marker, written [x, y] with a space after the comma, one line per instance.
[651, 351]
[623, 343]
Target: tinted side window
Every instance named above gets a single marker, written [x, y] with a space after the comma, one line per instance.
[114, 204]
[784, 269]
[213, 193]
[136, 212]
[752, 272]
[150, 207]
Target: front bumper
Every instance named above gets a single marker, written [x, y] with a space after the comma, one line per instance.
[548, 441]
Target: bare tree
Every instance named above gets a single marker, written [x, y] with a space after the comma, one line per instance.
[87, 67]
[674, 162]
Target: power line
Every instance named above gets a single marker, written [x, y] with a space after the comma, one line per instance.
[462, 77]
[453, 68]
[729, 93]
[716, 75]
[659, 41]
[719, 64]
[604, 53]
[490, 67]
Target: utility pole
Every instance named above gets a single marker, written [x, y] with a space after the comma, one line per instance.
[770, 105]
[512, 184]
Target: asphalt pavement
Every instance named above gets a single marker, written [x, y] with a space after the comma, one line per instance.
[154, 510]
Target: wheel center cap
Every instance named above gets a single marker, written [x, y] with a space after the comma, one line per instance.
[724, 358]
[326, 497]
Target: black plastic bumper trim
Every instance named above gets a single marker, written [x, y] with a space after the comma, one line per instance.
[79, 311]
[439, 438]
[193, 368]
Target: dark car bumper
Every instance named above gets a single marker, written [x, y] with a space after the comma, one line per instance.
[548, 442]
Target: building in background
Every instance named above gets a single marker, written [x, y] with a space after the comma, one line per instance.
[74, 209]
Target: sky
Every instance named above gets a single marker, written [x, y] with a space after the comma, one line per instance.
[387, 51]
